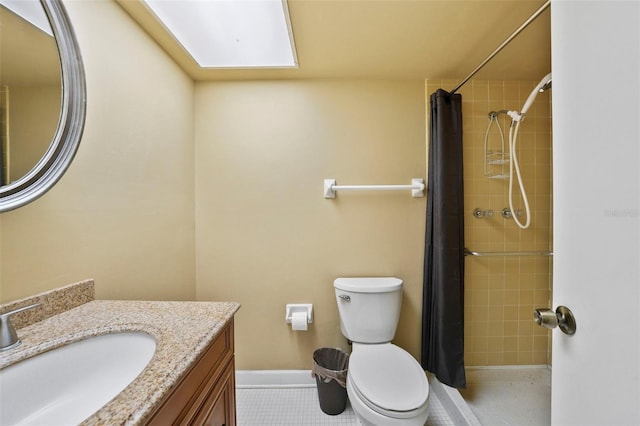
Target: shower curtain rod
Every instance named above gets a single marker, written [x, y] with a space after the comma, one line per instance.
[504, 43]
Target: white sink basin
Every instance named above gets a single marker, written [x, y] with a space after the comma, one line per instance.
[66, 385]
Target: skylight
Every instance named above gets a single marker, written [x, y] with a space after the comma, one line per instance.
[230, 33]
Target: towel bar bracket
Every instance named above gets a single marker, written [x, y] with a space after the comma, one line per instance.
[328, 188]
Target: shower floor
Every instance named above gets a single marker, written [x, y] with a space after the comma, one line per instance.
[509, 395]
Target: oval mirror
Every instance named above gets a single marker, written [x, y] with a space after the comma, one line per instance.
[42, 98]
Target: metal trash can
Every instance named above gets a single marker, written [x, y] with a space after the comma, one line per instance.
[330, 370]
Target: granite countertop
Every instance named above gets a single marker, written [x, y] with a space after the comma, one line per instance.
[182, 331]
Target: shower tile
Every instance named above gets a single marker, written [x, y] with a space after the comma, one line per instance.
[496, 91]
[525, 327]
[496, 298]
[496, 343]
[479, 328]
[526, 297]
[509, 343]
[496, 105]
[525, 358]
[480, 107]
[511, 300]
[527, 238]
[496, 313]
[479, 358]
[480, 298]
[542, 125]
[539, 358]
[540, 342]
[510, 275]
[511, 92]
[527, 280]
[541, 331]
[480, 344]
[510, 357]
[510, 329]
[541, 297]
[525, 344]
[496, 283]
[481, 270]
[525, 314]
[479, 123]
[479, 313]
[512, 282]
[494, 329]
[495, 358]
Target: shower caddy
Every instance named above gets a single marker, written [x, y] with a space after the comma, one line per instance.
[498, 156]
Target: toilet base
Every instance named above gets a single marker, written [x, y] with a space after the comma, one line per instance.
[367, 417]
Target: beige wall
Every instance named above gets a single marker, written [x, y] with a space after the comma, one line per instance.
[127, 211]
[34, 112]
[502, 292]
[124, 212]
[265, 234]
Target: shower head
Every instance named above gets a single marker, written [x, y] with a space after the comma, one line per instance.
[544, 84]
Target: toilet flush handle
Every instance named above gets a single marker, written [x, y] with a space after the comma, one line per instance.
[344, 297]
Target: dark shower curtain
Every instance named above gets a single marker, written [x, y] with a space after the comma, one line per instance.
[443, 290]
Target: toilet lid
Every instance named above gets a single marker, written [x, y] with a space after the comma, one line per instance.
[388, 377]
[368, 285]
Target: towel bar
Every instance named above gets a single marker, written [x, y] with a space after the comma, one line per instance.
[468, 252]
[417, 188]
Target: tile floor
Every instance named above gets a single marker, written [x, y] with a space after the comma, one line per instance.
[300, 407]
[502, 396]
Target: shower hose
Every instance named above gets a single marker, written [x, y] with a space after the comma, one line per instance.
[515, 167]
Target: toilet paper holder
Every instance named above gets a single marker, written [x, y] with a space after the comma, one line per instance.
[292, 308]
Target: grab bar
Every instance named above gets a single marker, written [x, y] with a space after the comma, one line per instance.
[417, 188]
[468, 252]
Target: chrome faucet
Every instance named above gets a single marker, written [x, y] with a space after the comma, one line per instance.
[8, 337]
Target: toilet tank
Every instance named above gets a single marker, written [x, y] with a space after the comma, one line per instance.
[369, 308]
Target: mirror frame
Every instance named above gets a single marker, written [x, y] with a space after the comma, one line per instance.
[66, 139]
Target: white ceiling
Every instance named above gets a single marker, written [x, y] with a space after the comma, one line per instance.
[397, 39]
[406, 39]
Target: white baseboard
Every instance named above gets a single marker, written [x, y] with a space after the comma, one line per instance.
[246, 379]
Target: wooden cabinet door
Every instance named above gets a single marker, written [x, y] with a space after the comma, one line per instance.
[206, 395]
[219, 407]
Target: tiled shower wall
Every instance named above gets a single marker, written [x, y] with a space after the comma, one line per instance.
[501, 292]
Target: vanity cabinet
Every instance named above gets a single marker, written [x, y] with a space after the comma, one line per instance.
[206, 394]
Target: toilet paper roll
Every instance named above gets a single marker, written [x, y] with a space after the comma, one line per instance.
[299, 321]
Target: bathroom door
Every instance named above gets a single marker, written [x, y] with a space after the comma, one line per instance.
[596, 140]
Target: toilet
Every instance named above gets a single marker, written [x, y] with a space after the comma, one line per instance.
[385, 384]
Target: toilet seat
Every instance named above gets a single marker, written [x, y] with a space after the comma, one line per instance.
[388, 380]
